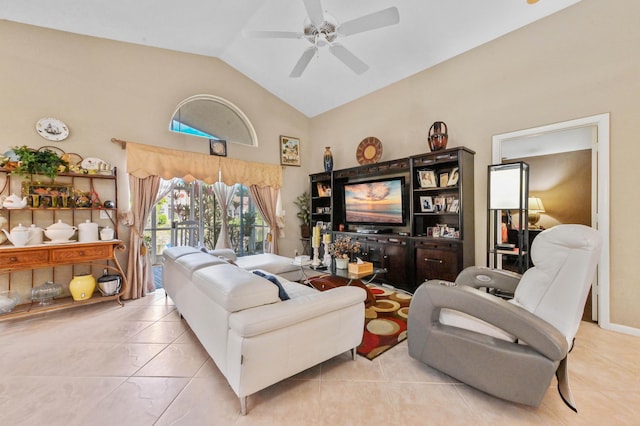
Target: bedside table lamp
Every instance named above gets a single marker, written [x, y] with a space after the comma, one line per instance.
[535, 208]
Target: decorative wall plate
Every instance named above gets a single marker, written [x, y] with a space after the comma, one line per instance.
[52, 129]
[369, 151]
[91, 163]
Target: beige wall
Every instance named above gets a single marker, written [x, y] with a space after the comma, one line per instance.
[580, 62]
[563, 183]
[103, 89]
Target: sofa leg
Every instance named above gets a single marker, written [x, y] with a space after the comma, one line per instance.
[243, 405]
[354, 352]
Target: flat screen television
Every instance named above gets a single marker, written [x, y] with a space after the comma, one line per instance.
[375, 202]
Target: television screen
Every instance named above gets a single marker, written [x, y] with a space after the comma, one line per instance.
[375, 202]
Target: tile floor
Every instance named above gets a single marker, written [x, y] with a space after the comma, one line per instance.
[141, 365]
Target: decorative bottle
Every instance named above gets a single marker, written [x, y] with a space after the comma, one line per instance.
[328, 159]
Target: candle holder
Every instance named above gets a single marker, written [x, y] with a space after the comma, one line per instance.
[326, 260]
[316, 257]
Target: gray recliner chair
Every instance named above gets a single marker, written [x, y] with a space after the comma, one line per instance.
[509, 349]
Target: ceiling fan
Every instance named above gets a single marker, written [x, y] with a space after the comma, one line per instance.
[321, 29]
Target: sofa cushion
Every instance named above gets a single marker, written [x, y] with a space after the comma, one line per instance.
[194, 261]
[234, 288]
[282, 293]
[269, 262]
[176, 252]
[225, 253]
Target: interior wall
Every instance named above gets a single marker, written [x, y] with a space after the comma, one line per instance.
[579, 62]
[563, 182]
[103, 89]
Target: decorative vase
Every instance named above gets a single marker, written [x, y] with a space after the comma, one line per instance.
[82, 287]
[342, 263]
[438, 136]
[328, 159]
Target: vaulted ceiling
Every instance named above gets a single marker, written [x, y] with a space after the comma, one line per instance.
[428, 32]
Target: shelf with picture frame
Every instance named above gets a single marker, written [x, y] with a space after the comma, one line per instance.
[442, 210]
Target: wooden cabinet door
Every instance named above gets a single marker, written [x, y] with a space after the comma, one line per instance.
[396, 259]
[436, 260]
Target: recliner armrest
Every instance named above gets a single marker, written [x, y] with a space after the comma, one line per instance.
[480, 276]
[431, 297]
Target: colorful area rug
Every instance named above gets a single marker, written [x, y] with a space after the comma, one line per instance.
[385, 322]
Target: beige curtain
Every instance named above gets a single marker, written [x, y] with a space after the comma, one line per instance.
[146, 160]
[224, 195]
[266, 200]
[144, 194]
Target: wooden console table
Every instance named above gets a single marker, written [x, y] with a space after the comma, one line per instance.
[51, 255]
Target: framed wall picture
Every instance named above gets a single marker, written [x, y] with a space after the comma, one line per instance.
[426, 204]
[427, 179]
[289, 151]
[218, 147]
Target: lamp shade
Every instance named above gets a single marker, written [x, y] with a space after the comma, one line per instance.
[535, 205]
[508, 186]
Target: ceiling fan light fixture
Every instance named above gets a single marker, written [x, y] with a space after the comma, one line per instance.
[321, 29]
[320, 35]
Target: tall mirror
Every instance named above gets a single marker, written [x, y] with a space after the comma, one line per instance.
[213, 117]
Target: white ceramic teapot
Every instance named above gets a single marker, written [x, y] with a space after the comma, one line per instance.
[14, 202]
[18, 236]
[59, 232]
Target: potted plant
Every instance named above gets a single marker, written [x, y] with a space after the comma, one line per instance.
[38, 162]
[303, 203]
[343, 249]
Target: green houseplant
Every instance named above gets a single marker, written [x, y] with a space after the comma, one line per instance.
[303, 203]
[38, 162]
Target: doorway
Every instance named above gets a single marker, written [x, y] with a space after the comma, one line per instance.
[574, 135]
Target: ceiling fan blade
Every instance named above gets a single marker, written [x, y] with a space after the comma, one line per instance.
[273, 34]
[348, 58]
[382, 18]
[302, 63]
[314, 10]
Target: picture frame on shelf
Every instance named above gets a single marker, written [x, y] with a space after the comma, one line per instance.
[289, 151]
[427, 179]
[47, 194]
[426, 204]
[324, 189]
[444, 179]
[439, 204]
[454, 176]
[454, 207]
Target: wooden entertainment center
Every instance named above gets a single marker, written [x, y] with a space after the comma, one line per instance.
[436, 240]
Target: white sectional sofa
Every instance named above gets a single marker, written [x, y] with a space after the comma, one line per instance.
[254, 338]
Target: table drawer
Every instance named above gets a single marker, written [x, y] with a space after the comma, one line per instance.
[81, 254]
[27, 258]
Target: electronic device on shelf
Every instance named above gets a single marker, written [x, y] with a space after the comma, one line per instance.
[505, 246]
[378, 202]
[373, 231]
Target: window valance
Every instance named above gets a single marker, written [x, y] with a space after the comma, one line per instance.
[146, 160]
